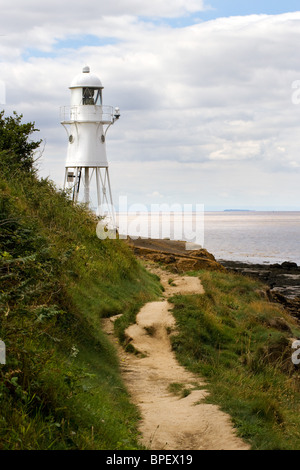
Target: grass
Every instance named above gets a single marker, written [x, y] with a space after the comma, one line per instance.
[179, 390]
[242, 344]
[128, 318]
[61, 386]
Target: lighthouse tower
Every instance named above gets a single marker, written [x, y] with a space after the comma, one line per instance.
[86, 121]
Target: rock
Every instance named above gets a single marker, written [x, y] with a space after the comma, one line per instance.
[279, 298]
[180, 260]
[192, 264]
[283, 281]
[159, 258]
[279, 324]
[289, 265]
[278, 351]
[202, 254]
[265, 294]
[291, 305]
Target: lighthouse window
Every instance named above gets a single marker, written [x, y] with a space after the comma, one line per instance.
[88, 96]
[98, 96]
[91, 96]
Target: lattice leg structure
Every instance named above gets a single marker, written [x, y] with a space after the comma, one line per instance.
[78, 177]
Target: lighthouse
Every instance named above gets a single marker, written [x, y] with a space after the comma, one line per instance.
[86, 121]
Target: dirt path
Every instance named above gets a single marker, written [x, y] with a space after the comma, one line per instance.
[168, 396]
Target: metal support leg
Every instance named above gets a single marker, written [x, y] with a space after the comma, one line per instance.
[98, 189]
[110, 199]
[86, 185]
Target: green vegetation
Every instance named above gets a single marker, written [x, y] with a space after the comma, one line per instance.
[61, 386]
[242, 344]
[179, 390]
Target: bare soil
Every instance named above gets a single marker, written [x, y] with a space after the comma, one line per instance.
[170, 399]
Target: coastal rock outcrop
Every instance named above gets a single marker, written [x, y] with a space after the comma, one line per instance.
[283, 281]
[174, 255]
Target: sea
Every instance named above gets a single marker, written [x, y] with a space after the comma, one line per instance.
[246, 236]
[253, 237]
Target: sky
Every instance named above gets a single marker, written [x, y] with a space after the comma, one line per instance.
[209, 93]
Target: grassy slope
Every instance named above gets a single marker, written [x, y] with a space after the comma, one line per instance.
[242, 344]
[61, 386]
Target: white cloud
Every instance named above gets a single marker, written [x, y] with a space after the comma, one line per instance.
[196, 102]
[245, 150]
[56, 9]
[40, 24]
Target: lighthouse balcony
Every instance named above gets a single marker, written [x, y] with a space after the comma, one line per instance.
[86, 113]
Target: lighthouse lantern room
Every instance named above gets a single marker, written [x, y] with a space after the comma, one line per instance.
[86, 121]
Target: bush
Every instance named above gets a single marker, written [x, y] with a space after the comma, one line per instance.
[16, 150]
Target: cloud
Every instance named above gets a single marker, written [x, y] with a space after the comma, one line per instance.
[42, 24]
[75, 9]
[196, 102]
[155, 195]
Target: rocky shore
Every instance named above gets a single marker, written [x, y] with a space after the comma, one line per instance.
[282, 279]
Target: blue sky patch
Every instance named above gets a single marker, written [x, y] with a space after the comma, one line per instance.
[87, 40]
[223, 8]
[226, 8]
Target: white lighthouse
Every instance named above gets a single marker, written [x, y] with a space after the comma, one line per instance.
[86, 121]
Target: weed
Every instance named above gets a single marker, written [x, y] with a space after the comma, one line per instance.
[179, 389]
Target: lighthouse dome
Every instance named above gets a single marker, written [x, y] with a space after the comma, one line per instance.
[86, 79]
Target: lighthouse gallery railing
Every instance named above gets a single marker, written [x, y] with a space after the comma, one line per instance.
[104, 114]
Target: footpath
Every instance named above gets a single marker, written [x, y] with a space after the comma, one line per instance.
[170, 398]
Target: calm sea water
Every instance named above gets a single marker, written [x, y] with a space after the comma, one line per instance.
[255, 237]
